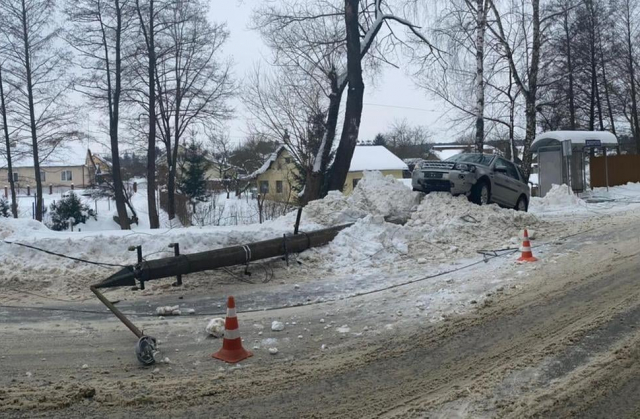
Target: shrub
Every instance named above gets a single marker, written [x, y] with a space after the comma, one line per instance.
[67, 208]
[5, 208]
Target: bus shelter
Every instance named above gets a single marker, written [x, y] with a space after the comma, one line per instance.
[562, 156]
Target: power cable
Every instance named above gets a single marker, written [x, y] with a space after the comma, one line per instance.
[102, 264]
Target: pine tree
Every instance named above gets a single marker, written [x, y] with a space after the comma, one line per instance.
[193, 177]
[66, 209]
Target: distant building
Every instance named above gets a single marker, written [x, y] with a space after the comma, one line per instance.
[444, 151]
[63, 167]
[278, 178]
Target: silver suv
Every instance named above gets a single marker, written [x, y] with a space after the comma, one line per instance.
[484, 178]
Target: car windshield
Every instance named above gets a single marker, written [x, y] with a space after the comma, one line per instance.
[476, 158]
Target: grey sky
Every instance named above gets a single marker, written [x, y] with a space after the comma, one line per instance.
[393, 97]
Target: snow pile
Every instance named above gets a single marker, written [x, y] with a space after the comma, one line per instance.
[443, 227]
[454, 221]
[558, 196]
[375, 194]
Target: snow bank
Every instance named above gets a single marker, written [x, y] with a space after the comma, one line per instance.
[11, 226]
[441, 228]
[558, 196]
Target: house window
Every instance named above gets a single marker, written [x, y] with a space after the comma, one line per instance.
[287, 160]
[15, 176]
[264, 186]
[43, 176]
[355, 183]
[66, 175]
[279, 186]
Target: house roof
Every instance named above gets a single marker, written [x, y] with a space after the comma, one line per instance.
[370, 157]
[73, 153]
[375, 157]
[578, 138]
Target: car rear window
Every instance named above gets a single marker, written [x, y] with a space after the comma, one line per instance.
[482, 159]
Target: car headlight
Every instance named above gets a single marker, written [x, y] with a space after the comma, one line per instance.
[463, 167]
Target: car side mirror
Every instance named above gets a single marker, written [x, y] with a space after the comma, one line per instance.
[500, 170]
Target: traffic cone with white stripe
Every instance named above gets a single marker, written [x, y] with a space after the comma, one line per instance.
[232, 350]
[527, 255]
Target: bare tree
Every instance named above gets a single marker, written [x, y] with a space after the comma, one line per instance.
[524, 72]
[308, 42]
[628, 16]
[373, 19]
[5, 126]
[289, 110]
[97, 33]
[149, 28]
[192, 84]
[36, 69]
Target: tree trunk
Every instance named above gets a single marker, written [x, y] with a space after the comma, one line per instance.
[315, 187]
[572, 105]
[154, 221]
[12, 183]
[123, 217]
[32, 116]
[481, 22]
[355, 95]
[606, 87]
[532, 91]
[632, 79]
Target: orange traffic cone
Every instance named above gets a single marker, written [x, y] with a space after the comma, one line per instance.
[232, 350]
[527, 256]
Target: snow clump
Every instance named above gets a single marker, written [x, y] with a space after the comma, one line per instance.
[277, 326]
[168, 311]
[375, 194]
[215, 327]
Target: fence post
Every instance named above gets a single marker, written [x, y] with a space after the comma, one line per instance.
[28, 190]
[50, 189]
[72, 187]
[135, 187]
[6, 192]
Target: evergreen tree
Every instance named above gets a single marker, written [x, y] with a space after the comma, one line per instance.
[5, 208]
[66, 209]
[193, 176]
[380, 139]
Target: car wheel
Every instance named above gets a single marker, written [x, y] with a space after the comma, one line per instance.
[522, 204]
[481, 194]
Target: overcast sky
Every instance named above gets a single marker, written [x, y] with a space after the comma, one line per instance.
[394, 97]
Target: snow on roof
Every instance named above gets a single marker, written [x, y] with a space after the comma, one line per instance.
[73, 153]
[267, 163]
[370, 157]
[375, 157]
[577, 138]
[445, 154]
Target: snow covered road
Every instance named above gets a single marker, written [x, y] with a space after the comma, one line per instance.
[542, 332]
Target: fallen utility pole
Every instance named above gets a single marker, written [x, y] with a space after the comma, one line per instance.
[183, 264]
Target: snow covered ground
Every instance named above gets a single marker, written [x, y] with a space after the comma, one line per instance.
[397, 234]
